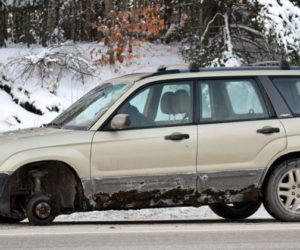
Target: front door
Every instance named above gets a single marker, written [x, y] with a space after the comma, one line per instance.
[156, 155]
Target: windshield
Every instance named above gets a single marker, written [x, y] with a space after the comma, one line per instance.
[88, 109]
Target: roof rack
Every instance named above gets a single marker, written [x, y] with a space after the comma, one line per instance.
[193, 67]
[263, 63]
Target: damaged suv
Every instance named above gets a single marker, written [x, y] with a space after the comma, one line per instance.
[228, 138]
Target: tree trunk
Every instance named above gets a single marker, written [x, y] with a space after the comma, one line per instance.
[3, 26]
[108, 6]
[51, 25]
[45, 32]
[73, 27]
[87, 22]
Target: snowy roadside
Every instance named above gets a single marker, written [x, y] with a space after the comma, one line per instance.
[154, 214]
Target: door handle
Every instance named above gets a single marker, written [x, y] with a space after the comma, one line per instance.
[268, 130]
[177, 137]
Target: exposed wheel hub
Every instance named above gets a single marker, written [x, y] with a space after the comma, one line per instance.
[43, 210]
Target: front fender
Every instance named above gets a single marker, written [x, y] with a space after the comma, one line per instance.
[76, 157]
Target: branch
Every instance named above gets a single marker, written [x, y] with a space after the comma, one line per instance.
[50, 65]
[244, 27]
[207, 26]
[227, 36]
[250, 41]
[4, 4]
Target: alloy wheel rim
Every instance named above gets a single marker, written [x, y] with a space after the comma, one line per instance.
[288, 190]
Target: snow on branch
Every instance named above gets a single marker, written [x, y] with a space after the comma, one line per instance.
[227, 37]
[229, 57]
[50, 64]
[208, 26]
[281, 19]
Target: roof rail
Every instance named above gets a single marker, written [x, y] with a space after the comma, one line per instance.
[283, 64]
[193, 67]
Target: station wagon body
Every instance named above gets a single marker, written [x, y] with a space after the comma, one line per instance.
[169, 138]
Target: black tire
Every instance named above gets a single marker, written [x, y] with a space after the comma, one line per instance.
[40, 210]
[235, 211]
[4, 219]
[275, 200]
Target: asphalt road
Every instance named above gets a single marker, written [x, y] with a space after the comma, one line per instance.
[204, 234]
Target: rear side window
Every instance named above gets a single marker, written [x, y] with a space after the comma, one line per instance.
[289, 88]
[231, 100]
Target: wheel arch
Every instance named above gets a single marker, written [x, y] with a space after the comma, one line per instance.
[22, 181]
[76, 159]
[278, 161]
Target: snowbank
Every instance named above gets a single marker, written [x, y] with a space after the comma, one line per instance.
[155, 214]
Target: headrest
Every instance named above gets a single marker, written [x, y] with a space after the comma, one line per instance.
[182, 102]
[166, 104]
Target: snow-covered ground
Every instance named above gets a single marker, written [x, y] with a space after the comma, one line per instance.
[69, 89]
[181, 213]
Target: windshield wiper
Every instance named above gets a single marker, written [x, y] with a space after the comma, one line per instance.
[51, 124]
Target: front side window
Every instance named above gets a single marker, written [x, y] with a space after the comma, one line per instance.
[161, 104]
[289, 88]
[231, 100]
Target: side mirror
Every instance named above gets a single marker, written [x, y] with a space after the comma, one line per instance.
[120, 121]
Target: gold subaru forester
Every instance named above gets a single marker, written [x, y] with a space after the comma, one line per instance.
[224, 137]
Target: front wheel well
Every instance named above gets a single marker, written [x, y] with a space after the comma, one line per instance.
[58, 179]
[277, 162]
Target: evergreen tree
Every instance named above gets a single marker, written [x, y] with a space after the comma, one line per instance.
[211, 32]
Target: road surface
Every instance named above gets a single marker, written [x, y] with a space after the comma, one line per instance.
[203, 234]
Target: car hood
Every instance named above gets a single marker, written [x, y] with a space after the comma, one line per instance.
[13, 142]
[22, 134]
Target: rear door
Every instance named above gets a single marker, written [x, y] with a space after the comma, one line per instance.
[238, 134]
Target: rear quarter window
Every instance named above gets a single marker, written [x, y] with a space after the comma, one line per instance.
[289, 88]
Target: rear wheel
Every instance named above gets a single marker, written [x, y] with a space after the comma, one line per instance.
[40, 210]
[282, 192]
[235, 211]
